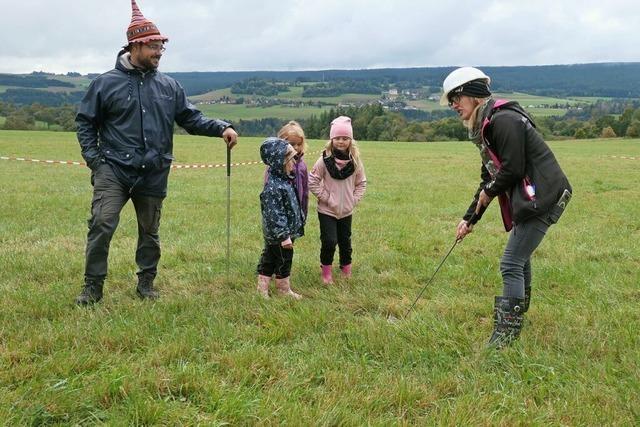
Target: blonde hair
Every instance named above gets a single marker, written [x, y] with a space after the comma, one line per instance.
[293, 128]
[290, 154]
[354, 152]
[470, 123]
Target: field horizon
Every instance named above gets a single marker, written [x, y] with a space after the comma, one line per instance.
[212, 352]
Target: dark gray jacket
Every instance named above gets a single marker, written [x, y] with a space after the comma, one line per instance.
[281, 214]
[126, 119]
[512, 136]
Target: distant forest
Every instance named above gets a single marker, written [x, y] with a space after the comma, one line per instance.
[603, 119]
[35, 80]
[42, 100]
[611, 80]
[617, 80]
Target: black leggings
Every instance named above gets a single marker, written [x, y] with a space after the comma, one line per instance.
[275, 260]
[334, 232]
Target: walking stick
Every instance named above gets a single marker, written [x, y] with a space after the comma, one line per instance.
[431, 279]
[393, 319]
[228, 207]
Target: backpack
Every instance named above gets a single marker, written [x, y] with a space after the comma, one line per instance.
[523, 196]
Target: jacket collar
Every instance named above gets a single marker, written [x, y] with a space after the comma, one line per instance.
[123, 63]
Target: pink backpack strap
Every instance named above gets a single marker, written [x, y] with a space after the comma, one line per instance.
[499, 103]
[505, 206]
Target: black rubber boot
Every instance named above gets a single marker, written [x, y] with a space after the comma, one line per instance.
[507, 321]
[91, 292]
[527, 299]
[145, 289]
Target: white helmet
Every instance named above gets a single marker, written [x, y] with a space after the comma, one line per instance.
[458, 77]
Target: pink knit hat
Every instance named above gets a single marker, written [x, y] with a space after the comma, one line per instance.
[141, 30]
[341, 126]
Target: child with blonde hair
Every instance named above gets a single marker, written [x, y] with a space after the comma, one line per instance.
[293, 133]
[338, 181]
[283, 217]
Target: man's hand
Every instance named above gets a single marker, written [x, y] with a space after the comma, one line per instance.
[230, 136]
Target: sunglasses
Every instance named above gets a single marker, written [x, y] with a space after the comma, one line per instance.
[454, 99]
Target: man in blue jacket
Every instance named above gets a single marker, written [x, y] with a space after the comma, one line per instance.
[125, 129]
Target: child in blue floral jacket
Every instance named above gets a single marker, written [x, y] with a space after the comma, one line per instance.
[282, 217]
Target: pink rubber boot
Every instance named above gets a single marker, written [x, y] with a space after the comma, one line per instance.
[263, 285]
[346, 271]
[327, 279]
[284, 287]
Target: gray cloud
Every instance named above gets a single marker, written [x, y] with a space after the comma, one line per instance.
[212, 35]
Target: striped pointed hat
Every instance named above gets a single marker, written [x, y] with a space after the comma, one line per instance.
[141, 30]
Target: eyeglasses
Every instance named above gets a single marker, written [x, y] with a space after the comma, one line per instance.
[156, 47]
[454, 99]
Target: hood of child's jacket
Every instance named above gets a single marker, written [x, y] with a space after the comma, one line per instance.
[273, 152]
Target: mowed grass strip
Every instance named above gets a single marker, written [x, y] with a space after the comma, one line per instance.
[211, 352]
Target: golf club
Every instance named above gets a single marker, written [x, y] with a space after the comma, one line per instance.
[391, 317]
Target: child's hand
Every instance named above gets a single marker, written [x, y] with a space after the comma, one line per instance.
[287, 244]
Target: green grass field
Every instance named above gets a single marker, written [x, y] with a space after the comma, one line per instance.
[81, 83]
[294, 94]
[536, 105]
[235, 112]
[211, 352]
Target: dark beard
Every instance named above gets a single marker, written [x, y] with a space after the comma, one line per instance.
[148, 65]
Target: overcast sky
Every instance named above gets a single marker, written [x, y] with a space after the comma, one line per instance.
[232, 35]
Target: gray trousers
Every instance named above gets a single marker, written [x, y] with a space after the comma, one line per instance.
[515, 265]
[109, 197]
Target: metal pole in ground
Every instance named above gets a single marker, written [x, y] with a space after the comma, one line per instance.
[228, 208]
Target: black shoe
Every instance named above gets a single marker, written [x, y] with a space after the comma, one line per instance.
[145, 289]
[91, 292]
[507, 321]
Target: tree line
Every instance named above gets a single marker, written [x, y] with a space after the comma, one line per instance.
[50, 118]
[620, 80]
[258, 86]
[373, 122]
[341, 87]
[615, 80]
[35, 80]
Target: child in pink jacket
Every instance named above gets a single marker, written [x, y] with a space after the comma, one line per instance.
[338, 181]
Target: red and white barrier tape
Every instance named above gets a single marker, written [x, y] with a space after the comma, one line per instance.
[178, 166]
[626, 157]
[61, 162]
[196, 166]
[221, 165]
